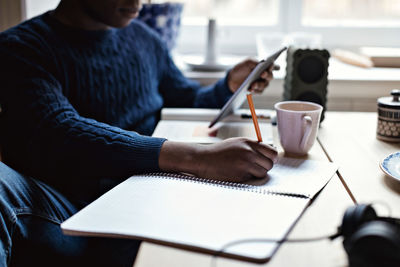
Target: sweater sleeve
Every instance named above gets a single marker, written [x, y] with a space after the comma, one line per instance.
[44, 136]
[179, 91]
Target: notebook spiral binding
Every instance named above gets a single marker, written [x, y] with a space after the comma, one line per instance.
[224, 184]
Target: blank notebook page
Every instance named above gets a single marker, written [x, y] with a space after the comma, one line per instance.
[194, 214]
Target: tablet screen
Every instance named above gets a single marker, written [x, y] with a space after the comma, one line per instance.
[240, 95]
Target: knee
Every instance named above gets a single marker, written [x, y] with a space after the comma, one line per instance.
[12, 183]
[8, 176]
[8, 195]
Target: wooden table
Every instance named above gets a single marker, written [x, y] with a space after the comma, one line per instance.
[348, 139]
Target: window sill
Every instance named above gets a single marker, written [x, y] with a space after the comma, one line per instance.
[350, 88]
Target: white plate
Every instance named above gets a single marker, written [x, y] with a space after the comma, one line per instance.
[391, 165]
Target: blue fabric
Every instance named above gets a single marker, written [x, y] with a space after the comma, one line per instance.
[164, 18]
[80, 105]
[30, 234]
[77, 109]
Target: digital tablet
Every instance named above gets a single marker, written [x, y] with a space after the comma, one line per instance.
[240, 95]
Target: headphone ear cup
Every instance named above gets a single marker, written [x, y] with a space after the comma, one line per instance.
[354, 217]
[375, 243]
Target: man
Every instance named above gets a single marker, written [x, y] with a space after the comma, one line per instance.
[81, 91]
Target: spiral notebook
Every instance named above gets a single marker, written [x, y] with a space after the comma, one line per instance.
[205, 215]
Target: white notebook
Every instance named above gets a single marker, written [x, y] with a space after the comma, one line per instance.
[204, 215]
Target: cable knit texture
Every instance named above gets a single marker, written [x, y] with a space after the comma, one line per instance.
[81, 104]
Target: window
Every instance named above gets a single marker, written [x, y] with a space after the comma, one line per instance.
[341, 23]
[233, 12]
[37, 7]
[238, 22]
[382, 13]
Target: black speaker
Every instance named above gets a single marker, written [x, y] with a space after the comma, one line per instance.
[307, 76]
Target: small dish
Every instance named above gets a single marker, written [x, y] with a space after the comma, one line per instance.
[391, 165]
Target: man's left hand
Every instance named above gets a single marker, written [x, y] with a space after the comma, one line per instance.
[240, 72]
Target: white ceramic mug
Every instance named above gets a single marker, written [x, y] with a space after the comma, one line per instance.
[298, 123]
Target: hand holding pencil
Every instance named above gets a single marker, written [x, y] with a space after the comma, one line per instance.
[235, 159]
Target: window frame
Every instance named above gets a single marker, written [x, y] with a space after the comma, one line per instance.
[193, 37]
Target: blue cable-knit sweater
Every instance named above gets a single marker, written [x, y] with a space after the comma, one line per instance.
[79, 104]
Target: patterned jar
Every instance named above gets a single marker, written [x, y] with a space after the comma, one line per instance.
[389, 117]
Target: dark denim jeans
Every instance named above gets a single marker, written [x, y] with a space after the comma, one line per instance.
[30, 234]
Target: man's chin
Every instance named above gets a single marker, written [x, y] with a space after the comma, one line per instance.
[129, 13]
[122, 23]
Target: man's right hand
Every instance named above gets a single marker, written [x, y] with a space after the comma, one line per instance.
[235, 159]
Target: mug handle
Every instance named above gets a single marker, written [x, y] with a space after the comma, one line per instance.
[307, 122]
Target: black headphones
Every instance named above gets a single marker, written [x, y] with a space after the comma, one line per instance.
[370, 240]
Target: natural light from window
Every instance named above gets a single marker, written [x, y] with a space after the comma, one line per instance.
[232, 12]
[339, 22]
[37, 7]
[382, 13]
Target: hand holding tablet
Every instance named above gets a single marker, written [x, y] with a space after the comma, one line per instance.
[240, 95]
